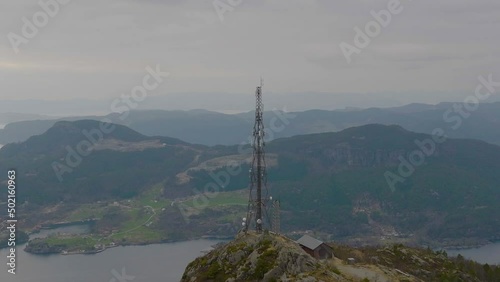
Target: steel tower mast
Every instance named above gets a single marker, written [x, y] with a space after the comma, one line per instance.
[258, 174]
[276, 217]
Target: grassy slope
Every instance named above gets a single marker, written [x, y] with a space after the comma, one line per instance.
[134, 221]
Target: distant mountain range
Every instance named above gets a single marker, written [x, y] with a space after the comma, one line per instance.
[231, 102]
[212, 128]
[6, 118]
[330, 182]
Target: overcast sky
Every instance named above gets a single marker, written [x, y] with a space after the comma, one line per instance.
[99, 49]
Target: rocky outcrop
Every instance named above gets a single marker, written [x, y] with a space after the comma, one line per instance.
[259, 257]
[271, 257]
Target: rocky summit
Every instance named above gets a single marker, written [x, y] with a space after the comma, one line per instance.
[258, 257]
[272, 257]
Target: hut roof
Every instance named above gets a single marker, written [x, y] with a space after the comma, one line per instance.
[309, 242]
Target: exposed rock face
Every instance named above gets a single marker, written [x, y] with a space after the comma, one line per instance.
[254, 257]
[269, 257]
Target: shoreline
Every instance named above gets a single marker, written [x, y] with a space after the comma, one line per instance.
[104, 248]
[45, 249]
[453, 247]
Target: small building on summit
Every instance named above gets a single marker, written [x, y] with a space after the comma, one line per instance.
[316, 248]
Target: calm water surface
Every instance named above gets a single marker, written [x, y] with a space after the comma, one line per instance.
[487, 254]
[155, 263]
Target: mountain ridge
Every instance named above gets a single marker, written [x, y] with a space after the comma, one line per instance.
[333, 183]
[212, 128]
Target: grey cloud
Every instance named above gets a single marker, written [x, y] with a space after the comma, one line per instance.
[95, 49]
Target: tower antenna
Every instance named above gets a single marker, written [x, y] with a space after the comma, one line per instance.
[258, 174]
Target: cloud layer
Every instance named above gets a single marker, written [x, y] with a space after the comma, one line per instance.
[98, 49]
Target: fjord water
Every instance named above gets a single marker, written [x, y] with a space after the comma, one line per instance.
[163, 262]
[486, 254]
